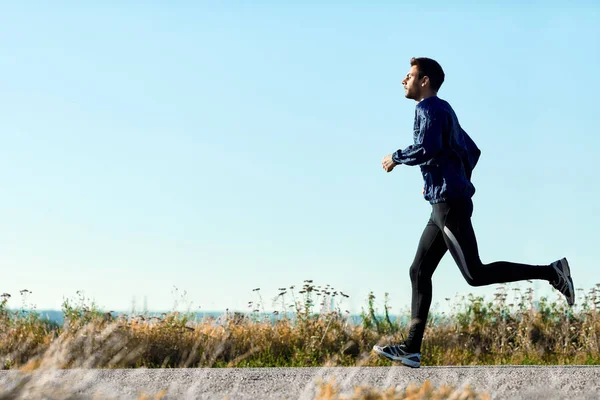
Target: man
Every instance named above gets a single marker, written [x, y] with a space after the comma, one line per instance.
[447, 157]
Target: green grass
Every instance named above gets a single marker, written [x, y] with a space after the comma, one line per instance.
[316, 333]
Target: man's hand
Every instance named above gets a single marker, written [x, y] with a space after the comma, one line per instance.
[387, 163]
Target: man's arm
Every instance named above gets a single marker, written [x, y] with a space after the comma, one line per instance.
[428, 142]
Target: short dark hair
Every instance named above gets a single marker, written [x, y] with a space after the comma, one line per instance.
[430, 68]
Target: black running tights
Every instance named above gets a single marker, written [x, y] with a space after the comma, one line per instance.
[449, 228]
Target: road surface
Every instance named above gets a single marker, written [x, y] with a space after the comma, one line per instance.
[501, 382]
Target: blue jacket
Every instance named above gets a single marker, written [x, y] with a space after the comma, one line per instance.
[443, 150]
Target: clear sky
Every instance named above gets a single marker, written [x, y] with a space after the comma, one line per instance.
[219, 146]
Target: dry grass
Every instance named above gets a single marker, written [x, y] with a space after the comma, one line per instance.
[477, 332]
[331, 391]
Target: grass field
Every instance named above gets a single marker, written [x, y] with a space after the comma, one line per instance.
[310, 330]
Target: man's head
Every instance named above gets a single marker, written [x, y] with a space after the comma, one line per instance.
[423, 79]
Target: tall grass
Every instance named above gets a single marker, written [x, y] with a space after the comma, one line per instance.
[331, 391]
[310, 329]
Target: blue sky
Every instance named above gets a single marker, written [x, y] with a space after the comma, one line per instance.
[217, 147]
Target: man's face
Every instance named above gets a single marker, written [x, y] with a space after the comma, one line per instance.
[412, 84]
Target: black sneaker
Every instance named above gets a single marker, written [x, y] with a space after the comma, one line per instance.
[399, 352]
[563, 282]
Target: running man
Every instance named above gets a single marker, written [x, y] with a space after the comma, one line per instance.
[447, 156]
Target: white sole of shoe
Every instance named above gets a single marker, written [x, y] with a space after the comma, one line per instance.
[405, 360]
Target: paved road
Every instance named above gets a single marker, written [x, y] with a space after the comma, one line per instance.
[506, 382]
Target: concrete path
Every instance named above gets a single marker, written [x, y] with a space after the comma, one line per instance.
[503, 382]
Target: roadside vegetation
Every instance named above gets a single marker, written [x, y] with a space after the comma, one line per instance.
[331, 391]
[312, 328]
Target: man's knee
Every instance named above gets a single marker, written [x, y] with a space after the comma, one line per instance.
[473, 282]
[419, 273]
[413, 272]
[472, 270]
[474, 277]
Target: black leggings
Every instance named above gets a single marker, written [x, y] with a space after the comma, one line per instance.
[449, 228]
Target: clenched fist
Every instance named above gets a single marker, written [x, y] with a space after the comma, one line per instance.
[387, 163]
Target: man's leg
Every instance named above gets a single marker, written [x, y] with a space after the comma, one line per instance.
[454, 218]
[430, 251]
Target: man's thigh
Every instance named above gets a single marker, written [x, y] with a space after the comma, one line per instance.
[430, 251]
[460, 238]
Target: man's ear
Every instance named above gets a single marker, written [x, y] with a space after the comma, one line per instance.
[425, 81]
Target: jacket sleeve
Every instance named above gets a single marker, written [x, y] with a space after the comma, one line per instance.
[428, 141]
